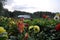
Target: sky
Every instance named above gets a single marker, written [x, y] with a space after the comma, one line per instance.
[33, 5]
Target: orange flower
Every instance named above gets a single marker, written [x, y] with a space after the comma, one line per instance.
[20, 26]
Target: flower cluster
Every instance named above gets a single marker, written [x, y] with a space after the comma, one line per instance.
[3, 34]
[35, 28]
[39, 29]
[2, 30]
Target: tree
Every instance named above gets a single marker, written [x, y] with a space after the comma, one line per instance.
[1, 6]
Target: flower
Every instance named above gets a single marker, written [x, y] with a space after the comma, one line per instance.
[20, 26]
[26, 25]
[31, 27]
[2, 30]
[56, 18]
[57, 27]
[9, 19]
[26, 36]
[36, 29]
[12, 22]
[45, 16]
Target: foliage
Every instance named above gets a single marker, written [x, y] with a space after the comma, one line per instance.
[35, 29]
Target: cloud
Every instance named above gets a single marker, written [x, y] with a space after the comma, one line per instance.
[21, 7]
[33, 5]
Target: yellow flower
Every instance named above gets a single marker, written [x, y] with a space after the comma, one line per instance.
[2, 30]
[12, 22]
[9, 18]
[36, 29]
[31, 27]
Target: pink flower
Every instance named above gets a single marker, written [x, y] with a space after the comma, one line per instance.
[26, 36]
[26, 25]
